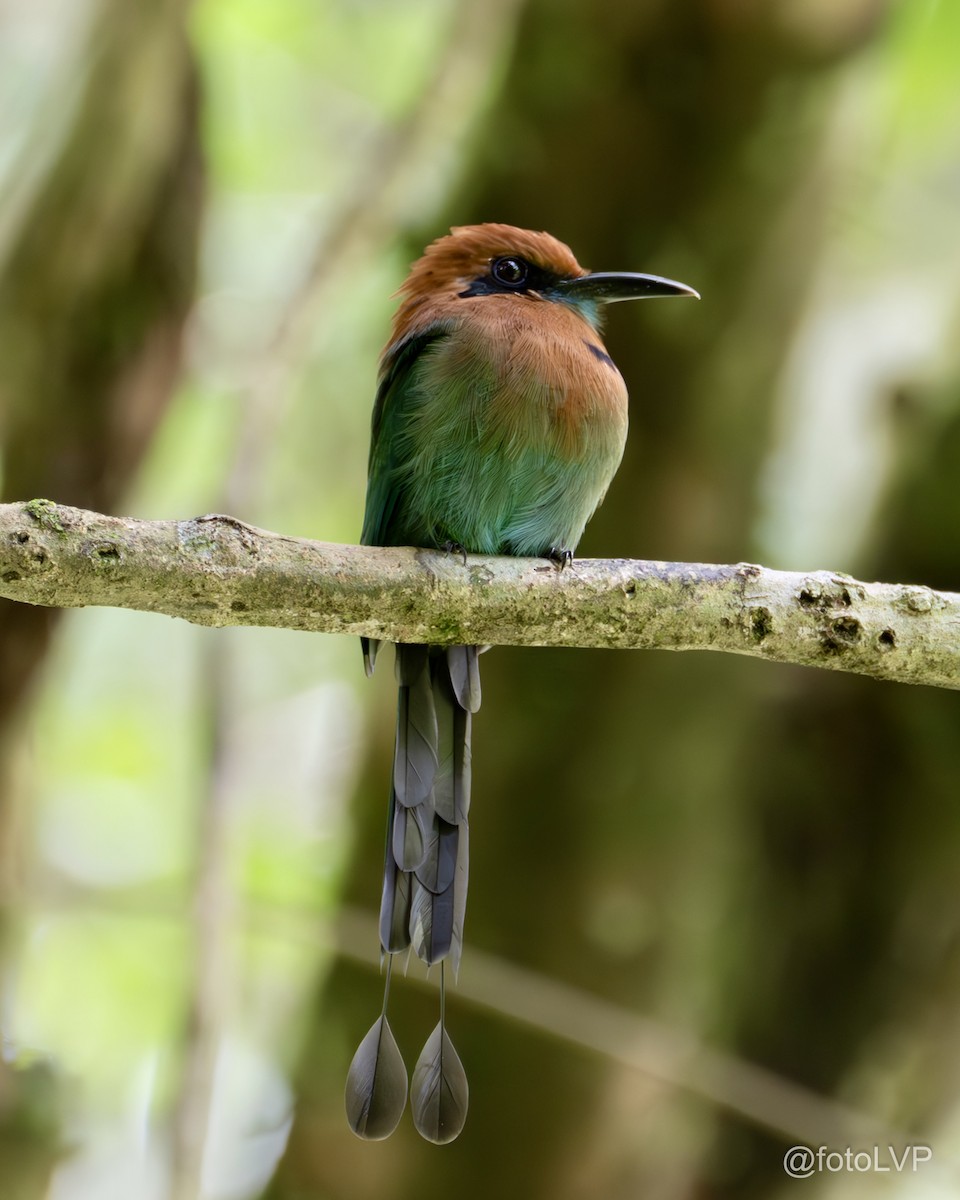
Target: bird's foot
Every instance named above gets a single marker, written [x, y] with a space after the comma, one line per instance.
[560, 558]
[456, 548]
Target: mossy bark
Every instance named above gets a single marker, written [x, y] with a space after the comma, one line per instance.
[216, 570]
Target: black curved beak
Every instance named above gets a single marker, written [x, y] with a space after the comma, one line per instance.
[608, 287]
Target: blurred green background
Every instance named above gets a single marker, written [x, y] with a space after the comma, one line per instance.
[715, 904]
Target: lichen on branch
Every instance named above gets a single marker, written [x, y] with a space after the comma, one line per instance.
[216, 570]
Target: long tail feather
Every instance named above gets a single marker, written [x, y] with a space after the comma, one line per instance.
[395, 900]
[465, 675]
[426, 868]
[438, 868]
[460, 898]
[439, 1095]
[431, 922]
[376, 1091]
[370, 646]
[451, 788]
[411, 833]
[415, 757]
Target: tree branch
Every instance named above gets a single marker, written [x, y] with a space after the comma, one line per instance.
[216, 570]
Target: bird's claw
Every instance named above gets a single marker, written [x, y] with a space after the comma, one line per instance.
[560, 558]
[456, 548]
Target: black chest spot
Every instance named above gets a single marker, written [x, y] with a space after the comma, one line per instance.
[600, 353]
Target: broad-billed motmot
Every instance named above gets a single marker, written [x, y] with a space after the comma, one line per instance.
[499, 423]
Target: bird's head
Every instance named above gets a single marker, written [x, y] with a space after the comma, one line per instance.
[500, 260]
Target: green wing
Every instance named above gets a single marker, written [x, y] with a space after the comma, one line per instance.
[395, 403]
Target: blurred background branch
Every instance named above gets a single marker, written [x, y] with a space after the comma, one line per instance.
[653, 1049]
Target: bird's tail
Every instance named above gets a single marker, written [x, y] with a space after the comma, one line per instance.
[424, 886]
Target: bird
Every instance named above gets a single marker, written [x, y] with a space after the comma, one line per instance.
[499, 422]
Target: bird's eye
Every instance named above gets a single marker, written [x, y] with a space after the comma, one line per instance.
[511, 272]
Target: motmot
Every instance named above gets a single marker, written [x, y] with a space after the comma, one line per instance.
[499, 421]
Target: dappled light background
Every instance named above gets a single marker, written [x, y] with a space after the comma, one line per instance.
[714, 906]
